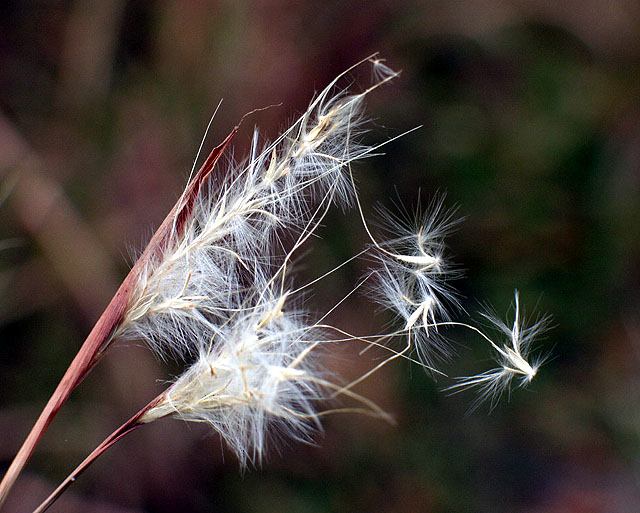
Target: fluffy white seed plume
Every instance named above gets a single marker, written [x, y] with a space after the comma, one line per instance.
[255, 373]
[212, 289]
[412, 275]
[216, 294]
[192, 288]
[258, 379]
[513, 358]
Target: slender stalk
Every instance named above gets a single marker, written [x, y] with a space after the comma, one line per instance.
[88, 356]
[132, 424]
[101, 336]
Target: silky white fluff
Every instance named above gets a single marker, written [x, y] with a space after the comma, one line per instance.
[217, 295]
[412, 280]
[231, 240]
[258, 378]
[514, 358]
[412, 277]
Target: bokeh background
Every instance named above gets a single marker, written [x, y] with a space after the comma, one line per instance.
[530, 114]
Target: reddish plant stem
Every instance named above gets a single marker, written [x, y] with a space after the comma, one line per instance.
[101, 336]
[132, 424]
[87, 357]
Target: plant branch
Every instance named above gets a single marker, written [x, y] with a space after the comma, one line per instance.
[101, 336]
[132, 424]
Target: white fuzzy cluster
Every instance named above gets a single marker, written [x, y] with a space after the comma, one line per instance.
[513, 358]
[256, 379]
[230, 242]
[412, 276]
[216, 295]
[411, 280]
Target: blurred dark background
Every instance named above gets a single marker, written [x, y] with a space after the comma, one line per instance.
[531, 125]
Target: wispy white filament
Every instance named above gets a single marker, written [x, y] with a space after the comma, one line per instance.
[513, 358]
[412, 275]
[258, 379]
[231, 239]
[217, 295]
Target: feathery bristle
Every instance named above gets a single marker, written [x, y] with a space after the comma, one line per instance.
[513, 357]
[258, 376]
[412, 275]
[188, 291]
[217, 295]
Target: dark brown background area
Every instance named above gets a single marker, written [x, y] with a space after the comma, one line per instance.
[531, 125]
